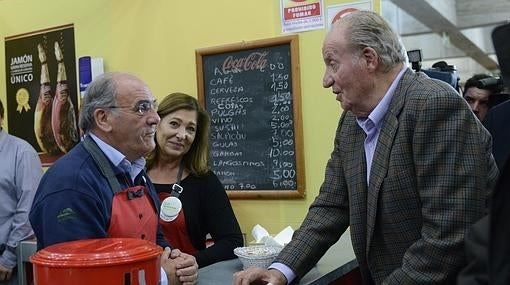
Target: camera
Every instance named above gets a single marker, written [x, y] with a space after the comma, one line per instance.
[490, 83]
[440, 70]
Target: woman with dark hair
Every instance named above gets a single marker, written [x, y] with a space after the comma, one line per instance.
[194, 202]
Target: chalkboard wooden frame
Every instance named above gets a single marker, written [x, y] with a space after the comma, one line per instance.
[266, 44]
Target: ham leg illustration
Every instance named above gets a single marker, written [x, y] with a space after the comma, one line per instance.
[63, 118]
[42, 113]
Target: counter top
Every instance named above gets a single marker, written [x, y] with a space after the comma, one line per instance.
[337, 262]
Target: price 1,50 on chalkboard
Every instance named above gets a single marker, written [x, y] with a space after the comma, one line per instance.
[251, 91]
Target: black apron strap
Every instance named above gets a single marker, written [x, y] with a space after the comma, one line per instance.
[103, 163]
[177, 188]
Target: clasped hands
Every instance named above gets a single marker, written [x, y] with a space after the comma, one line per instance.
[180, 267]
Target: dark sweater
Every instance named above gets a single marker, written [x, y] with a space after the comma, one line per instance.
[74, 201]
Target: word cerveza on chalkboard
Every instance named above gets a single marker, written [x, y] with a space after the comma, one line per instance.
[248, 94]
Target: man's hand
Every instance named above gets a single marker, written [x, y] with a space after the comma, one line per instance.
[170, 267]
[187, 267]
[5, 273]
[259, 276]
[181, 268]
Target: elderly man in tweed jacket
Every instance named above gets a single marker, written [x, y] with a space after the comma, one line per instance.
[410, 170]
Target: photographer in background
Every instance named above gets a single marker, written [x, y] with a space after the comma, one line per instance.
[486, 243]
[478, 95]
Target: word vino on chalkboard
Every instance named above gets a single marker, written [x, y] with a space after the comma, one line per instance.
[251, 91]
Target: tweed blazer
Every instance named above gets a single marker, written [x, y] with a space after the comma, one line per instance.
[431, 173]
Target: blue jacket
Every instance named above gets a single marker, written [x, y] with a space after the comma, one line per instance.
[74, 201]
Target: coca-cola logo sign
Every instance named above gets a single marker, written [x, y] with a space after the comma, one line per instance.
[254, 61]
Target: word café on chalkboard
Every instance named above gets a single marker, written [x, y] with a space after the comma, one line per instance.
[251, 91]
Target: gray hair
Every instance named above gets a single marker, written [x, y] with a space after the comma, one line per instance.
[100, 93]
[369, 29]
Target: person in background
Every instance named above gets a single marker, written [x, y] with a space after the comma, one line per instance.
[100, 189]
[20, 172]
[479, 99]
[497, 123]
[487, 246]
[487, 241]
[178, 167]
[410, 170]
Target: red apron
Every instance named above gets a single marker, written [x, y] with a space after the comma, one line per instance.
[133, 215]
[176, 232]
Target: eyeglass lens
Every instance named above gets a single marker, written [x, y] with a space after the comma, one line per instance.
[144, 106]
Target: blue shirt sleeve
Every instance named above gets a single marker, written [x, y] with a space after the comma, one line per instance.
[285, 270]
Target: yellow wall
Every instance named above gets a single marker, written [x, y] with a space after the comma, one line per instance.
[156, 39]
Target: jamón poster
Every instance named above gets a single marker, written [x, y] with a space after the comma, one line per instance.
[42, 97]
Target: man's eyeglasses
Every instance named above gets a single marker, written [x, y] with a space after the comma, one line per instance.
[141, 108]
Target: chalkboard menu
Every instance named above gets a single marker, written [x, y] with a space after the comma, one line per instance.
[251, 91]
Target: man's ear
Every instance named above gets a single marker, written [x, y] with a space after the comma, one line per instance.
[371, 58]
[103, 120]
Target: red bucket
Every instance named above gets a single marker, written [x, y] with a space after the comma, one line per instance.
[98, 261]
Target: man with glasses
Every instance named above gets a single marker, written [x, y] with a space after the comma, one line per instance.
[100, 189]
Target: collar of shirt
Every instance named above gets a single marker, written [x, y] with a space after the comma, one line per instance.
[382, 107]
[118, 159]
[373, 124]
